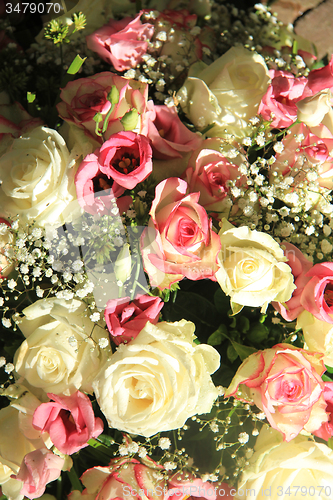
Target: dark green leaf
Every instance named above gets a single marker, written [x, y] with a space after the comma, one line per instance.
[218, 336]
[258, 333]
[242, 351]
[232, 353]
[243, 324]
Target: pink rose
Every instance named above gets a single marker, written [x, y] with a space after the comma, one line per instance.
[312, 151]
[179, 241]
[281, 97]
[82, 99]
[125, 318]
[192, 487]
[123, 479]
[326, 429]
[69, 420]
[38, 468]
[169, 136]
[317, 296]
[321, 78]
[291, 309]
[209, 173]
[284, 382]
[122, 43]
[95, 191]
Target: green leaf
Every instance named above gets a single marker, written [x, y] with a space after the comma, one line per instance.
[242, 351]
[76, 65]
[218, 336]
[31, 97]
[329, 369]
[326, 378]
[232, 353]
[243, 324]
[258, 333]
[130, 120]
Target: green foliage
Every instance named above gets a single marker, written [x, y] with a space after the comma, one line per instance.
[79, 20]
[57, 32]
[60, 32]
[13, 81]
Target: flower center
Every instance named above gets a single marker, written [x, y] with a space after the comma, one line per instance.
[187, 231]
[102, 183]
[125, 164]
[328, 295]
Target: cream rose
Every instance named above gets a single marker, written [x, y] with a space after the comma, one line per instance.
[158, 380]
[318, 335]
[37, 176]
[302, 465]
[61, 352]
[313, 109]
[252, 269]
[226, 94]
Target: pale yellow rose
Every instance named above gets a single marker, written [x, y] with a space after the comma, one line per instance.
[252, 268]
[225, 94]
[318, 335]
[302, 465]
[61, 353]
[37, 176]
[158, 380]
[313, 109]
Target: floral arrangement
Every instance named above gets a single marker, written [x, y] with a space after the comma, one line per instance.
[166, 275]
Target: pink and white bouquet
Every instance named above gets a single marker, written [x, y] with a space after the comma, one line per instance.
[166, 275]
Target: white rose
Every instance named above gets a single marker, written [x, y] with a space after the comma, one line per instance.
[18, 438]
[318, 335]
[61, 352]
[37, 176]
[158, 380]
[313, 109]
[302, 465]
[226, 94]
[252, 269]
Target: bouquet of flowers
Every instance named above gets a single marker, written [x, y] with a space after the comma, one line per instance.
[166, 280]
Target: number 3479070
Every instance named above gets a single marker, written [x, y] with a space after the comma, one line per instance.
[32, 8]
